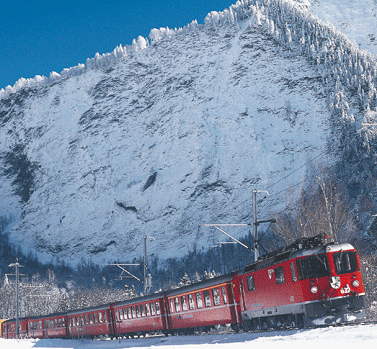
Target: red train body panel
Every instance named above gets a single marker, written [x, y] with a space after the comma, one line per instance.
[90, 322]
[141, 315]
[307, 283]
[8, 328]
[208, 303]
[36, 327]
[49, 326]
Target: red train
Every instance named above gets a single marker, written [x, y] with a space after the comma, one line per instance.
[308, 283]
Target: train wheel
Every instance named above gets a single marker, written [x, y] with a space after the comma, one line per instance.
[248, 325]
[235, 327]
[256, 324]
[300, 321]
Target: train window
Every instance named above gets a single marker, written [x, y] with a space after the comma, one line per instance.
[279, 275]
[105, 317]
[171, 305]
[293, 272]
[63, 322]
[191, 301]
[120, 316]
[56, 323]
[129, 314]
[153, 309]
[158, 311]
[138, 310]
[95, 318]
[313, 267]
[91, 318]
[345, 262]
[147, 309]
[250, 283]
[216, 296]
[207, 298]
[77, 321]
[184, 303]
[100, 317]
[142, 310]
[224, 294]
[177, 305]
[133, 312]
[199, 300]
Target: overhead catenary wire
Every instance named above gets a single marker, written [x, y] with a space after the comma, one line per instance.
[294, 171]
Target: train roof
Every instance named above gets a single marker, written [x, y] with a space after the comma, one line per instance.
[203, 284]
[331, 247]
[14, 320]
[89, 309]
[151, 297]
[41, 317]
[300, 248]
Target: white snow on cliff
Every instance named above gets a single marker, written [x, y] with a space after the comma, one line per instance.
[172, 131]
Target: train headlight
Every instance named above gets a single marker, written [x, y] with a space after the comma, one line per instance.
[335, 282]
[314, 289]
[355, 283]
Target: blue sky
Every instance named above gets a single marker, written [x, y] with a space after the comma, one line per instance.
[40, 36]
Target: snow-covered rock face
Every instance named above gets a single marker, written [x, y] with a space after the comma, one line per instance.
[170, 136]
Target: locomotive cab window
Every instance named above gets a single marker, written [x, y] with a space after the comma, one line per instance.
[293, 272]
[312, 267]
[345, 262]
[250, 283]
[279, 275]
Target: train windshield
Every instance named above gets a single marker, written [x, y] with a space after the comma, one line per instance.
[312, 267]
[345, 262]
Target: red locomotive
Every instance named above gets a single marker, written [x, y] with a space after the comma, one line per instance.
[307, 283]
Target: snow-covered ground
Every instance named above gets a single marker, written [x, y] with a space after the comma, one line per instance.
[361, 336]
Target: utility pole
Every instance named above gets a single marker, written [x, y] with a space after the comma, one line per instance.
[255, 223]
[147, 277]
[17, 266]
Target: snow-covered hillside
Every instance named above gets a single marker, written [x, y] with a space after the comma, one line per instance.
[174, 131]
[362, 336]
[355, 18]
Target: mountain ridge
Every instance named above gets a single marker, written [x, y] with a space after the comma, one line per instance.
[175, 133]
